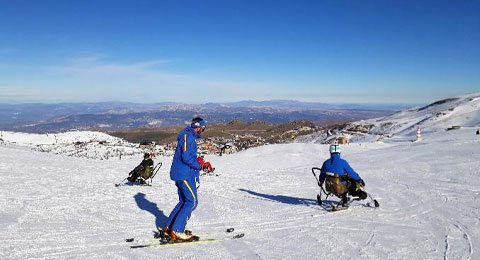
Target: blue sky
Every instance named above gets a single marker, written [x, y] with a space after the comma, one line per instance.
[219, 51]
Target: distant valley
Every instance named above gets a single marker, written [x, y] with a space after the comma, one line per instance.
[115, 116]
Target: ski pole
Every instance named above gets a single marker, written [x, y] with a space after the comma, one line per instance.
[319, 196]
[313, 171]
[314, 175]
[374, 200]
[120, 183]
[371, 198]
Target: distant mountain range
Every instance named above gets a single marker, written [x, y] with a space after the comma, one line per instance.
[41, 118]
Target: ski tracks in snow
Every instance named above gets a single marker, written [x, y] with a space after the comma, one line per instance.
[70, 208]
[458, 244]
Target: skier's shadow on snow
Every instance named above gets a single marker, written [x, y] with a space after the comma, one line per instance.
[143, 203]
[283, 199]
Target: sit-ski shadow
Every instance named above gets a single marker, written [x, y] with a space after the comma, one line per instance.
[283, 199]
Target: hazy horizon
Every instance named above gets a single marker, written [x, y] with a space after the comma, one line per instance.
[16, 102]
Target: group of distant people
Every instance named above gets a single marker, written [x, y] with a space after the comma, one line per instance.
[336, 173]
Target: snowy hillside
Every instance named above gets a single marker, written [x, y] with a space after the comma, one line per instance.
[442, 115]
[58, 207]
[89, 144]
[458, 111]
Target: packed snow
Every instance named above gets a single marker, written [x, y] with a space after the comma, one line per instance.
[26, 139]
[54, 206]
[89, 144]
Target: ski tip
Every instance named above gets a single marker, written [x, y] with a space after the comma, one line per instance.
[338, 209]
[334, 207]
[128, 240]
[239, 235]
[376, 203]
[229, 230]
[139, 246]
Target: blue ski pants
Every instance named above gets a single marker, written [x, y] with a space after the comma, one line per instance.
[187, 196]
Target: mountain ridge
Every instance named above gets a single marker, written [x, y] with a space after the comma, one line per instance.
[61, 117]
[442, 115]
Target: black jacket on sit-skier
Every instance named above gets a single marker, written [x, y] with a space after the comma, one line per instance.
[144, 170]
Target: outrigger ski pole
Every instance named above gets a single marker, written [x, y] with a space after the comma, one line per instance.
[319, 196]
[374, 200]
[120, 183]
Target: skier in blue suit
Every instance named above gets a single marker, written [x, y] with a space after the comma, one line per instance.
[349, 178]
[185, 172]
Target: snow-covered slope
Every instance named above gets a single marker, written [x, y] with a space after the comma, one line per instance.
[442, 115]
[58, 207]
[89, 144]
[461, 111]
[60, 138]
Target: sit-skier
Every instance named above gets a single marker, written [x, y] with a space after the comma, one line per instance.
[340, 179]
[206, 166]
[143, 171]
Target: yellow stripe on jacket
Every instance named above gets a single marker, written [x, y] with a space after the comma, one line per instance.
[185, 143]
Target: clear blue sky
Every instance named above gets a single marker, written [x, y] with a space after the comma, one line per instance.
[200, 51]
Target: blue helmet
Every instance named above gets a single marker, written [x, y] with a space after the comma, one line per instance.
[198, 122]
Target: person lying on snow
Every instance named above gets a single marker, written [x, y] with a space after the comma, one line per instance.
[143, 171]
[340, 179]
[206, 166]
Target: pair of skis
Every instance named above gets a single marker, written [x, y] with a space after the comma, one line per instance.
[161, 240]
[339, 208]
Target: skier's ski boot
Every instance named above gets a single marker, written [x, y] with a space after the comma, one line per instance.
[182, 237]
[163, 234]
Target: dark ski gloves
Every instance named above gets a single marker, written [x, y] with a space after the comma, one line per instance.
[362, 183]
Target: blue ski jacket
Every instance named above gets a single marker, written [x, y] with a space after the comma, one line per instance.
[185, 165]
[339, 166]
